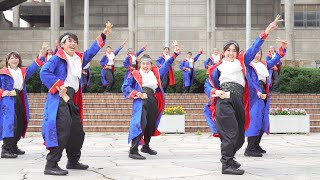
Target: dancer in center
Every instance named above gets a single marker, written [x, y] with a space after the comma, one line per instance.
[231, 94]
[144, 87]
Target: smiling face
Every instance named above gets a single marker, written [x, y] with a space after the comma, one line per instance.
[258, 56]
[145, 66]
[14, 60]
[70, 46]
[166, 51]
[109, 49]
[230, 53]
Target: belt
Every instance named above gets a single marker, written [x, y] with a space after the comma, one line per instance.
[233, 88]
[148, 90]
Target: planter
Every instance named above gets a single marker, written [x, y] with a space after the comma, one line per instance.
[289, 123]
[172, 124]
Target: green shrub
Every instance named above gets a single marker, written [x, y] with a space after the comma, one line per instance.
[293, 80]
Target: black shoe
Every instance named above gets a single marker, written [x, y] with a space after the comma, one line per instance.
[8, 154]
[56, 171]
[259, 149]
[235, 164]
[76, 165]
[233, 171]
[19, 151]
[252, 153]
[136, 156]
[145, 149]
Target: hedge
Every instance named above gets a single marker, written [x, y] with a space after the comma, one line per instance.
[293, 80]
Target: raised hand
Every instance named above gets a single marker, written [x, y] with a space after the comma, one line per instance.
[272, 26]
[176, 46]
[284, 43]
[124, 42]
[145, 45]
[107, 30]
[43, 49]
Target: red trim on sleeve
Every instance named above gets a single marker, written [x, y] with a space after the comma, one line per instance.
[132, 94]
[38, 61]
[53, 89]
[100, 41]
[281, 52]
[1, 92]
[263, 35]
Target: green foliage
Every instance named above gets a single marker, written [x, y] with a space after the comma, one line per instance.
[293, 80]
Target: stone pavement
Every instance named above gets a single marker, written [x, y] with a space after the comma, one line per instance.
[187, 156]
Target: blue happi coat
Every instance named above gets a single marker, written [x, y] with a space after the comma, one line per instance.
[52, 75]
[128, 62]
[133, 84]
[244, 60]
[103, 63]
[207, 111]
[7, 102]
[188, 76]
[259, 109]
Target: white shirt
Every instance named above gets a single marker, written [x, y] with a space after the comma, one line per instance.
[231, 72]
[261, 71]
[191, 62]
[17, 78]
[216, 58]
[110, 57]
[149, 80]
[49, 56]
[74, 71]
[133, 58]
[273, 55]
[166, 56]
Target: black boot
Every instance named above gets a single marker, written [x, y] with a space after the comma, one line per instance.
[147, 149]
[235, 164]
[76, 165]
[257, 143]
[230, 169]
[52, 168]
[252, 153]
[18, 151]
[7, 152]
[251, 150]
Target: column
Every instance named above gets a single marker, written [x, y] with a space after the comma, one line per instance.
[276, 7]
[289, 15]
[131, 23]
[67, 13]
[16, 16]
[211, 25]
[248, 23]
[86, 25]
[54, 22]
[167, 23]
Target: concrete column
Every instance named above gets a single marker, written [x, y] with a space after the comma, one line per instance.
[54, 22]
[276, 7]
[16, 16]
[67, 13]
[289, 15]
[86, 25]
[211, 25]
[131, 23]
[167, 23]
[248, 24]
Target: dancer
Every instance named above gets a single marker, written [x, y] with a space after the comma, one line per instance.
[189, 73]
[144, 87]
[260, 75]
[130, 62]
[231, 99]
[213, 59]
[169, 79]
[107, 64]
[62, 125]
[14, 107]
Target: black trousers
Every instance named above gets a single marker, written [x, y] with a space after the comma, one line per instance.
[85, 81]
[165, 82]
[110, 79]
[69, 130]
[148, 120]
[275, 81]
[230, 118]
[11, 142]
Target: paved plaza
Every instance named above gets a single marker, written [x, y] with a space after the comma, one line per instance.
[186, 156]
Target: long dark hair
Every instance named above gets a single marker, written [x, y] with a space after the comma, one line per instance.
[14, 54]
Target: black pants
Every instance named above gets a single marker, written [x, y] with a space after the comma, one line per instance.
[85, 79]
[230, 118]
[275, 81]
[148, 120]
[110, 79]
[165, 82]
[69, 130]
[11, 142]
[254, 141]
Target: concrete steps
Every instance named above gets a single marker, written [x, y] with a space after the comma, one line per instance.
[112, 113]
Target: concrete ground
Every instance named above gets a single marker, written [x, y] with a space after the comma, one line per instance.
[187, 156]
